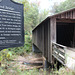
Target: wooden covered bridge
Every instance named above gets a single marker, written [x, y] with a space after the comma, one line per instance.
[55, 36]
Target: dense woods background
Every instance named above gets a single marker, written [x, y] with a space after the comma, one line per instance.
[67, 4]
[32, 17]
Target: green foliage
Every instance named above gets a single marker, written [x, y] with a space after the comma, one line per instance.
[43, 15]
[22, 50]
[17, 50]
[68, 4]
[5, 55]
[17, 71]
[9, 54]
[32, 16]
[28, 43]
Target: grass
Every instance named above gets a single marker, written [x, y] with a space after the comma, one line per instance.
[7, 70]
[7, 66]
[16, 71]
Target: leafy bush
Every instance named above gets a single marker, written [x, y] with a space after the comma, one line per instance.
[5, 55]
[26, 48]
[28, 43]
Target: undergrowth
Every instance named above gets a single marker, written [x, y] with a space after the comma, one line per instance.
[6, 68]
[16, 71]
[24, 49]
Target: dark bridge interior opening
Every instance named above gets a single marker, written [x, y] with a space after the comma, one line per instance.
[65, 34]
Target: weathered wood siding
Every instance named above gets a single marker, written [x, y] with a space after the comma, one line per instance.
[41, 38]
[70, 14]
[45, 33]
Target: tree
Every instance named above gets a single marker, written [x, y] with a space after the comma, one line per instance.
[44, 13]
[68, 4]
[32, 17]
[31, 13]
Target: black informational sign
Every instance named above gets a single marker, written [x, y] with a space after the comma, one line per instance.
[11, 24]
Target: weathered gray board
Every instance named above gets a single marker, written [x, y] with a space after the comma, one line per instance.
[59, 28]
[70, 58]
[11, 24]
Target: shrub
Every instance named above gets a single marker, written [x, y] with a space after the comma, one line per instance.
[26, 48]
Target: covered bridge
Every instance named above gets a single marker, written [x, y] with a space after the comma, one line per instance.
[53, 35]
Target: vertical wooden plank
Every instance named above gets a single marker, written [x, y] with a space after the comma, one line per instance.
[74, 37]
[50, 54]
[32, 37]
[73, 14]
[43, 39]
[40, 33]
[53, 34]
[66, 15]
[53, 29]
[63, 15]
[49, 40]
[36, 37]
[58, 16]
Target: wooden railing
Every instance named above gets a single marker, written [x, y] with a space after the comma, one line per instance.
[58, 51]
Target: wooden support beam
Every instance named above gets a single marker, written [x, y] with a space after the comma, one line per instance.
[66, 20]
